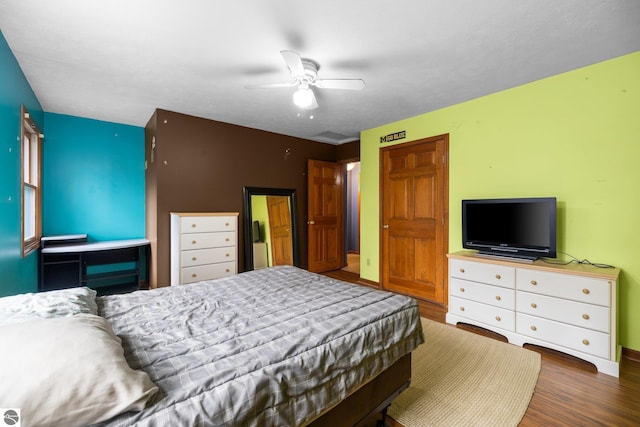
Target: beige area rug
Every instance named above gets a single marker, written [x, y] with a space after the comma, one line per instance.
[459, 378]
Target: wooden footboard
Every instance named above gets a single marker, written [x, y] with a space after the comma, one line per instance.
[371, 398]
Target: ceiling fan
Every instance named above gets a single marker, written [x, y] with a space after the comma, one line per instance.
[304, 72]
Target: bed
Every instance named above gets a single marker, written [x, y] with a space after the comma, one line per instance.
[272, 347]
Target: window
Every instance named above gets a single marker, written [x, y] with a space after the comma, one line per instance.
[31, 157]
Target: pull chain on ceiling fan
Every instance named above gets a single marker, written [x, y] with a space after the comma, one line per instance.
[304, 73]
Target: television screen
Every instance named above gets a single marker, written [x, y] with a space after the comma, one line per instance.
[523, 228]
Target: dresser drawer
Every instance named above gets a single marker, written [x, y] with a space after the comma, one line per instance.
[207, 240]
[590, 316]
[498, 275]
[207, 272]
[487, 314]
[205, 224]
[207, 256]
[572, 287]
[573, 337]
[487, 294]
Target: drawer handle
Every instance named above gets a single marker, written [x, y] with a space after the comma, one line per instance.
[533, 282]
[227, 270]
[194, 275]
[226, 224]
[498, 318]
[585, 316]
[585, 342]
[498, 277]
[533, 328]
[461, 289]
[193, 259]
[193, 225]
[193, 242]
[498, 297]
[462, 270]
[226, 240]
[586, 291]
[461, 308]
[227, 254]
[534, 305]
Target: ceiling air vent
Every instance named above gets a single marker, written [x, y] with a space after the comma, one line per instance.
[334, 138]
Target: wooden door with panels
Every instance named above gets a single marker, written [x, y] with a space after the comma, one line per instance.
[326, 216]
[414, 218]
[279, 213]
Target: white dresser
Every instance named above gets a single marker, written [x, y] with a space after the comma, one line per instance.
[568, 308]
[204, 246]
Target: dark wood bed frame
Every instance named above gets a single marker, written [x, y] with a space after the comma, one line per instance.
[373, 397]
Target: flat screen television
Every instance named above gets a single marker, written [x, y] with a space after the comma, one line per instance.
[522, 228]
[255, 228]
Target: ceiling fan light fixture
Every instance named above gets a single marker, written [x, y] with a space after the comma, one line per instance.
[303, 97]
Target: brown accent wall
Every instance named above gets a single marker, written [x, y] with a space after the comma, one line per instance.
[349, 152]
[201, 165]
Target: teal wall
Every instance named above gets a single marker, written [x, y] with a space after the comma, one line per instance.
[93, 177]
[17, 274]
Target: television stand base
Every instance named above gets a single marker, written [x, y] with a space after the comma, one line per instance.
[505, 258]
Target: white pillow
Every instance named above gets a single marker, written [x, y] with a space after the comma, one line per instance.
[68, 371]
[59, 303]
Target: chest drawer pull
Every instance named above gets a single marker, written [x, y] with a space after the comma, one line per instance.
[461, 308]
[227, 270]
[227, 255]
[193, 242]
[585, 316]
[193, 259]
[534, 305]
[585, 342]
[462, 270]
[226, 224]
[498, 277]
[461, 289]
[498, 297]
[533, 328]
[498, 318]
[194, 275]
[193, 225]
[227, 239]
[585, 291]
[534, 283]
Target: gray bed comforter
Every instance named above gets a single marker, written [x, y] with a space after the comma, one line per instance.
[273, 347]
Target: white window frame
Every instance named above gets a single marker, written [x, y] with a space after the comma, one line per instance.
[30, 189]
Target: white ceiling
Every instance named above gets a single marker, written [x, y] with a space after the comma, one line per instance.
[119, 60]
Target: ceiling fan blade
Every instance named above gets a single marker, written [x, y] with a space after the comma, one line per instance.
[348, 84]
[270, 85]
[294, 62]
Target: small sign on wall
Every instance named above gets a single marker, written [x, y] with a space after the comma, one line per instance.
[393, 136]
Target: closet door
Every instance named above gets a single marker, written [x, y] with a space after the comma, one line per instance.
[326, 216]
[414, 211]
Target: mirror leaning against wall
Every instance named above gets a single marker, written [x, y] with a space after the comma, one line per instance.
[270, 227]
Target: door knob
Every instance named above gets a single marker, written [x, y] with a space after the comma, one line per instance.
[311, 222]
[385, 226]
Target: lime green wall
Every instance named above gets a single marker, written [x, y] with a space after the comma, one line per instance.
[259, 212]
[575, 136]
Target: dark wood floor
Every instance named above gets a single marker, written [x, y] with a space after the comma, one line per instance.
[569, 392]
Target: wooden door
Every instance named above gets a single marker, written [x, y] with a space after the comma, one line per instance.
[326, 216]
[414, 215]
[280, 230]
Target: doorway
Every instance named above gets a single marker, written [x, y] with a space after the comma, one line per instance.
[352, 218]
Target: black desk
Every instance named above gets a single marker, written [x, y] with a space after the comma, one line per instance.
[110, 267]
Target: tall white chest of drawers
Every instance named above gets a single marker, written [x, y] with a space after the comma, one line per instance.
[204, 246]
[569, 308]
